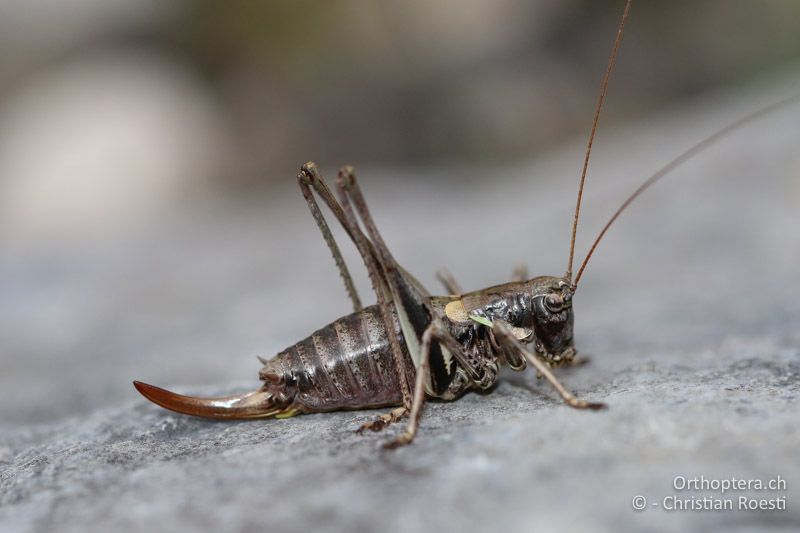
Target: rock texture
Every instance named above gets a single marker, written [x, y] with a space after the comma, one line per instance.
[689, 313]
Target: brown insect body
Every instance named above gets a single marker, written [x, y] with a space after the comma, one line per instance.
[345, 365]
[348, 364]
[410, 346]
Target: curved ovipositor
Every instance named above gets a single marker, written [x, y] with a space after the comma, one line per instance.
[258, 404]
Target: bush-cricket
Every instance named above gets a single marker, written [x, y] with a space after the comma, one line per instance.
[411, 346]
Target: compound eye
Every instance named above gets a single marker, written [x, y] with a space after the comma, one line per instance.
[554, 303]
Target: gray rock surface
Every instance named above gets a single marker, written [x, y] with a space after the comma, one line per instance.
[689, 313]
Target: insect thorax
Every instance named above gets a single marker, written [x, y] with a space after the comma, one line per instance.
[538, 310]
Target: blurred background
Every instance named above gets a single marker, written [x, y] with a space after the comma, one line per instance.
[149, 217]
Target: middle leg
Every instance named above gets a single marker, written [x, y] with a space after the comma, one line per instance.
[418, 400]
[450, 284]
[481, 374]
[520, 272]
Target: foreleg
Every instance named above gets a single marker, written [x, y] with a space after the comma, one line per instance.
[505, 337]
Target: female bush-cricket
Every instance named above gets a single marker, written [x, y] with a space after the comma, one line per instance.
[410, 345]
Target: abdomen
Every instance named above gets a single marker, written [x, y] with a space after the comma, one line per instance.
[346, 364]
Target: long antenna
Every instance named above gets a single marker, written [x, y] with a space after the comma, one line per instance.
[669, 167]
[603, 89]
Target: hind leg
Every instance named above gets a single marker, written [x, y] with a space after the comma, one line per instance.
[309, 179]
[380, 283]
[395, 415]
